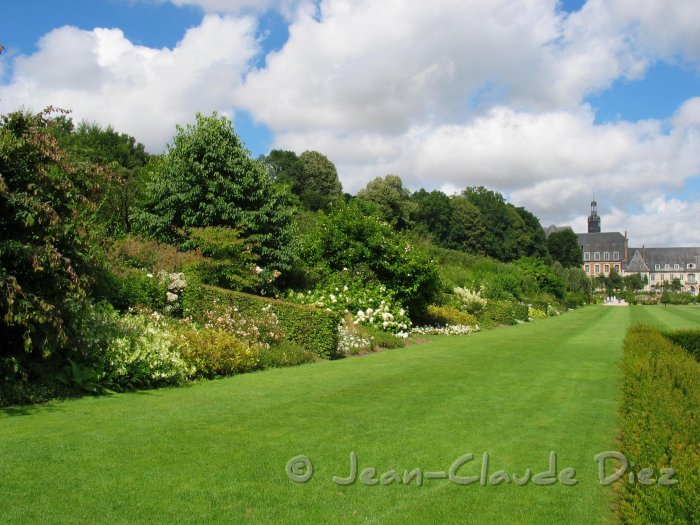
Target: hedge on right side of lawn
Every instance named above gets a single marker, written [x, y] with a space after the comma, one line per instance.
[660, 428]
[688, 339]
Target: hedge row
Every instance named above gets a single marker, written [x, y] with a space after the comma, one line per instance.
[313, 329]
[660, 425]
[505, 312]
[688, 339]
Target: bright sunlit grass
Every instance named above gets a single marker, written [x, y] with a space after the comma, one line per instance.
[217, 451]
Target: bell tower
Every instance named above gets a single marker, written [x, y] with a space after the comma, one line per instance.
[594, 218]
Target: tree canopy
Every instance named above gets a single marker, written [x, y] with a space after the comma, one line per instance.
[392, 199]
[207, 178]
[564, 247]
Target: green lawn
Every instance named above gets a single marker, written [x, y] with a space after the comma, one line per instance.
[217, 451]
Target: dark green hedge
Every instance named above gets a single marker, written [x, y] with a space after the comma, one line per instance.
[687, 339]
[315, 330]
[660, 428]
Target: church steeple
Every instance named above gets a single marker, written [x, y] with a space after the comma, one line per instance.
[594, 218]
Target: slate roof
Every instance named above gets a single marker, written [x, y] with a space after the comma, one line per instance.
[637, 264]
[549, 230]
[602, 242]
[670, 256]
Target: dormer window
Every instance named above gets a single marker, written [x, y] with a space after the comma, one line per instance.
[587, 256]
[596, 256]
[606, 256]
[616, 256]
[676, 266]
[667, 266]
[691, 266]
[657, 267]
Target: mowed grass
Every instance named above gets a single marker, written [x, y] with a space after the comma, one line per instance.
[216, 452]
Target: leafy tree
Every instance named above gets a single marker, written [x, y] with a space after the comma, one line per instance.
[207, 178]
[393, 200]
[634, 282]
[433, 215]
[508, 236]
[46, 249]
[320, 184]
[614, 280]
[351, 238]
[467, 227]
[676, 285]
[545, 277]
[665, 298]
[564, 247]
[286, 169]
[536, 243]
[123, 160]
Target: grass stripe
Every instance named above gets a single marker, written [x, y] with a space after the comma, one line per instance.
[216, 451]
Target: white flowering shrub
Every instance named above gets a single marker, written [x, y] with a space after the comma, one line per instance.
[450, 329]
[470, 301]
[144, 353]
[370, 304]
[351, 341]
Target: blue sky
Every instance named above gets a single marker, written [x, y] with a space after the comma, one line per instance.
[553, 101]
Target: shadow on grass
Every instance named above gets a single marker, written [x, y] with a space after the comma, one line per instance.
[28, 410]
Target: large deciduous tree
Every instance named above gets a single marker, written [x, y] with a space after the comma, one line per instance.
[392, 199]
[207, 178]
[46, 249]
[320, 184]
[125, 160]
[564, 247]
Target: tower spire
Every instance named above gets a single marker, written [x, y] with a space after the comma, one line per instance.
[594, 218]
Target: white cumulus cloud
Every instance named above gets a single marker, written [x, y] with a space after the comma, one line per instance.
[103, 77]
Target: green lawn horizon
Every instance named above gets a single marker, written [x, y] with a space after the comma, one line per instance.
[217, 451]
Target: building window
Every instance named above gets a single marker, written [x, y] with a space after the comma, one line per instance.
[657, 267]
[606, 256]
[588, 268]
[681, 277]
[616, 256]
[676, 266]
[617, 268]
[587, 256]
[691, 278]
[596, 256]
[652, 277]
[667, 266]
[597, 268]
[607, 268]
[691, 266]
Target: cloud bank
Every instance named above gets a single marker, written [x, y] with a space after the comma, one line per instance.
[445, 94]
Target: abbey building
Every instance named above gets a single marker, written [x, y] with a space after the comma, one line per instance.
[605, 251]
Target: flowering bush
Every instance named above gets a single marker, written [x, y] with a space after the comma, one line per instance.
[535, 313]
[351, 341]
[262, 331]
[144, 353]
[450, 329]
[214, 352]
[447, 315]
[133, 350]
[470, 301]
[370, 304]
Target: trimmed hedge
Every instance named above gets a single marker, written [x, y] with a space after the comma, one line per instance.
[313, 329]
[660, 422]
[687, 339]
[505, 312]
